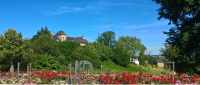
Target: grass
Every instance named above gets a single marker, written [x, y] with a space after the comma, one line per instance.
[155, 70]
[131, 68]
[119, 69]
[116, 69]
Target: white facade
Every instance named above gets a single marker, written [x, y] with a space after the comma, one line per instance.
[136, 61]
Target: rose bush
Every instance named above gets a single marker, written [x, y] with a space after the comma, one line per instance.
[53, 77]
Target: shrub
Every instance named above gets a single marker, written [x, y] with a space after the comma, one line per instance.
[43, 61]
[152, 65]
[156, 66]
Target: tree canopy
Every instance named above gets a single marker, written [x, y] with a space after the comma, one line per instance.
[42, 31]
[107, 38]
[10, 45]
[121, 56]
[46, 44]
[132, 45]
[170, 52]
[184, 14]
[84, 53]
[105, 52]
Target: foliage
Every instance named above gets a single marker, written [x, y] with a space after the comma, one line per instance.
[121, 56]
[66, 48]
[152, 60]
[43, 61]
[142, 57]
[107, 38]
[84, 53]
[132, 45]
[46, 44]
[28, 52]
[105, 52]
[156, 65]
[82, 64]
[10, 47]
[39, 33]
[185, 16]
[170, 52]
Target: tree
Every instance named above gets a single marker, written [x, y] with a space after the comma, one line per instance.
[84, 53]
[185, 16]
[121, 56]
[152, 60]
[142, 57]
[10, 45]
[105, 52]
[28, 52]
[107, 38]
[46, 44]
[170, 52]
[42, 31]
[132, 45]
[66, 48]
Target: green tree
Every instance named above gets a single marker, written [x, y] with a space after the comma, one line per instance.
[46, 44]
[10, 46]
[107, 38]
[121, 56]
[170, 52]
[42, 31]
[66, 48]
[28, 52]
[142, 57]
[84, 53]
[152, 60]
[132, 45]
[105, 52]
[185, 16]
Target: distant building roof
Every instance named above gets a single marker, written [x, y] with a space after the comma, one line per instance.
[60, 33]
[77, 39]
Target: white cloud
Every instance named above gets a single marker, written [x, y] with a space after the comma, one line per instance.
[56, 9]
[64, 9]
[146, 25]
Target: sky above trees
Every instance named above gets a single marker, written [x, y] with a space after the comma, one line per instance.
[135, 18]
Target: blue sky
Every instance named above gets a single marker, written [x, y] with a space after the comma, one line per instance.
[87, 17]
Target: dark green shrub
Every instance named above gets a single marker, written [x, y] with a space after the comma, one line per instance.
[152, 65]
[43, 61]
[156, 66]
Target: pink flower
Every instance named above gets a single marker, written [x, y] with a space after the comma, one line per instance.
[93, 78]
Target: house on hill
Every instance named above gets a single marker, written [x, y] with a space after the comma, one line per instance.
[61, 36]
[134, 60]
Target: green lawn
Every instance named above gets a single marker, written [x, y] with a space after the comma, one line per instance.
[132, 68]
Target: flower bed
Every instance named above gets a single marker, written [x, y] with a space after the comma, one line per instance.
[52, 77]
